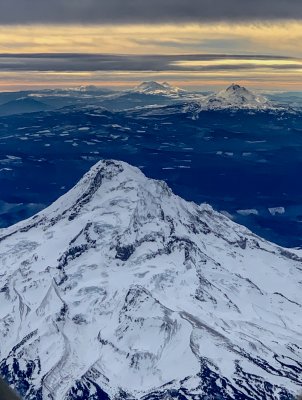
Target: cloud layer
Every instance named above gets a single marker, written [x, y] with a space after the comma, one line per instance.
[151, 11]
[113, 62]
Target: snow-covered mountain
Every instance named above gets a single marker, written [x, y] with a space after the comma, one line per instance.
[238, 97]
[155, 88]
[122, 290]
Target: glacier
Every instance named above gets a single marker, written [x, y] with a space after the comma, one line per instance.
[122, 290]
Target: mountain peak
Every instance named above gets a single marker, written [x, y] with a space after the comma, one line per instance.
[234, 87]
[87, 88]
[86, 191]
[121, 286]
[149, 85]
[156, 88]
[237, 97]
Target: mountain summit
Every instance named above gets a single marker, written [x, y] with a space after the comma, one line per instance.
[236, 96]
[155, 88]
[123, 290]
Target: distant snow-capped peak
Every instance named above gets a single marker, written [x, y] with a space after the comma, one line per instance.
[156, 88]
[236, 96]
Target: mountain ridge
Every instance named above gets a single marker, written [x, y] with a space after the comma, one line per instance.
[23, 105]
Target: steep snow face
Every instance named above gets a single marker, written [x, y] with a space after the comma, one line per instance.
[236, 96]
[120, 289]
[155, 88]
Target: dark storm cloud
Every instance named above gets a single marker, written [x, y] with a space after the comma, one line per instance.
[135, 11]
[137, 63]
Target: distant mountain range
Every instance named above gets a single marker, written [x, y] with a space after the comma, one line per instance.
[149, 93]
[233, 97]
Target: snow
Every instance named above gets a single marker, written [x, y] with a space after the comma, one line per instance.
[236, 97]
[125, 282]
[251, 211]
[276, 210]
[155, 88]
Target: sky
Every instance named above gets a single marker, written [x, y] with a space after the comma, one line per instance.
[196, 44]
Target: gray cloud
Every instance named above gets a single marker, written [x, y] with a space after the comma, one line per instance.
[138, 63]
[133, 11]
[113, 62]
[213, 44]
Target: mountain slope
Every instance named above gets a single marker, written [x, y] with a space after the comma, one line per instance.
[23, 105]
[236, 96]
[120, 289]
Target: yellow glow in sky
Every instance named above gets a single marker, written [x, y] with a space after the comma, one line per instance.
[243, 61]
[275, 39]
[271, 38]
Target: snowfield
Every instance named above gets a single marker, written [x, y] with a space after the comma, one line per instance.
[122, 290]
